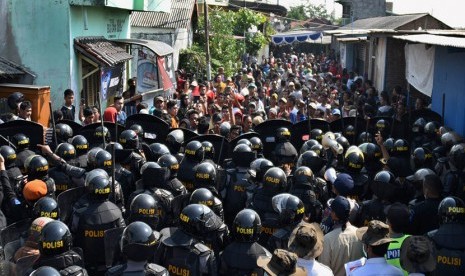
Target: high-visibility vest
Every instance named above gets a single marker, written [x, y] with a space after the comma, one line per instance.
[393, 253]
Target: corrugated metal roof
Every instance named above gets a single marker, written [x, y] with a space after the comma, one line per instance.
[160, 48]
[458, 42]
[11, 69]
[179, 16]
[383, 22]
[351, 39]
[101, 50]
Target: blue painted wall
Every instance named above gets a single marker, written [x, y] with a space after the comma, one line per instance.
[449, 78]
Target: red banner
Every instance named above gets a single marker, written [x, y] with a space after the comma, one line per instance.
[167, 83]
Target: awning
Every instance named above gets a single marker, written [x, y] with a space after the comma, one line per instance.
[352, 39]
[290, 37]
[158, 47]
[9, 69]
[101, 50]
[458, 42]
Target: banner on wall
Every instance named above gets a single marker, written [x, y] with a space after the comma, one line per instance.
[147, 71]
[164, 71]
[419, 67]
[111, 81]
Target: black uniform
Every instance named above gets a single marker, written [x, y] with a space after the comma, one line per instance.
[449, 241]
[423, 216]
[137, 270]
[186, 173]
[236, 192]
[261, 203]
[240, 258]
[61, 261]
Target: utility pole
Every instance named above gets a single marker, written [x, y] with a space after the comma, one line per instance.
[207, 40]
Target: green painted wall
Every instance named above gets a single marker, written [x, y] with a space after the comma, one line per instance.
[38, 32]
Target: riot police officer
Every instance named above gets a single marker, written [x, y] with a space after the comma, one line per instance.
[146, 208]
[449, 239]
[454, 180]
[205, 177]
[284, 153]
[257, 146]
[173, 185]
[312, 160]
[102, 137]
[236, 189]
[37, 168]
[240, 256]
[353, 164]
[55, 243]
[81, 145]
[130, 141]
[206, 197]
[138, 243]
[174, 141]
[418, 130]
[209, 152]
[157, 150]
[62, 180]
[182, 252]
[21, 142]
[91, 220]
[422, 157]
[45, 271]
[193, 155]
[291, 211]
[104, 161]
[63, 133]
[46, 207]
[303, 186]
[274, 182]
[12, 189]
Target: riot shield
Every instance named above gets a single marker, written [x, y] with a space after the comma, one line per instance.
[14, 231]
[33, 130]
[76, 127]
[220, 144]
[66, 202]
[300, 131]
[89, 130]
[178, 203]
[267, 131]
[372, 128]
[112, 239]
[409, 118]
[155, 129]
[10, 249]
[24, 264]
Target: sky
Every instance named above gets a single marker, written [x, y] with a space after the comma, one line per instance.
[448, 11]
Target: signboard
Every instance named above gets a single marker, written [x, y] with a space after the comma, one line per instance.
[111, 81]
[147, 70]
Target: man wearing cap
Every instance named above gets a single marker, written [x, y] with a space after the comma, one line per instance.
[375, 238]
[398, 220]
[281, 263]
[306, 242]
[341, 245]
[417, 255]
[157, 108]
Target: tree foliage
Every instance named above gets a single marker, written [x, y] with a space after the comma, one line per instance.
[298, 13]
[309, 10]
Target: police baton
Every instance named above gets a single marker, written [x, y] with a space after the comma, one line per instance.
[8, 141]
[101, 118]
[113, 153]
[53, 124]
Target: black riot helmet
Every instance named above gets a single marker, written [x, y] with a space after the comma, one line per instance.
[64, 132]
[383, 185]
[419, 176]
[104, 161]
[457, 156]
[290, 208]
[196, 219]
[382, 126]
[449, 139]
[81, 144]
[343, 142]
[138, 130]
[245, 142]
[9, 155]
[209, 150]
[401, 148]
[318, 149]
[283, 134]
[66, 151]
[365, 137]
[129, 139]
[422, 158]
[451, 210]
[418, 126]
[274, 181]
[55, 238]
[316, 134]
[170, 162]
[98, 184]
[239, 155]
[308, 145]
[349, 132]
[92, 157]
[303, 175]
[46, 207]
[36, 167]
[247, 226]
[354, 160]
[150, 164]
[202, 196]
[45, 271]
[205, 175]
[20, 141]
[257, 145]
[372, 155]
[138, 241]
[174, 140]
[312, 160]
[389, 144]
[157, 150]
[101, 132]
[109, 147]
[194, 151]
[14, 99]
[432, 129]
[258, 167]
[144, 207]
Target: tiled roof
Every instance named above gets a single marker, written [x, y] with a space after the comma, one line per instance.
[10, 69]
[101, 50]
[384, 22]
[179, 16]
